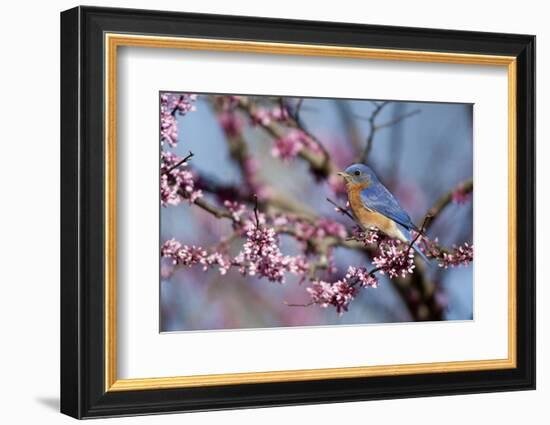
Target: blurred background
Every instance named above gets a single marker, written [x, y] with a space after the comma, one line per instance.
[420, 151]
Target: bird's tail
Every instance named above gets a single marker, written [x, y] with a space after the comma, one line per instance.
[415, 246]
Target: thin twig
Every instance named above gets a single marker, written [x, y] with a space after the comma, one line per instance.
[173, 167]
[427, 219]
[174, 110]
[256, 211]
[341, 210]
[298, 305]
[398, 119]
[371, 120]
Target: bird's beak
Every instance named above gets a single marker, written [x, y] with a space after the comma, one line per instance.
[346, 176]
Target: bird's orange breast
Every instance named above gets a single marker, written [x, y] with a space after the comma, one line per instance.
[366, 217]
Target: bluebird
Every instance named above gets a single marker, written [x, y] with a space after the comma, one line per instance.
[373, 205]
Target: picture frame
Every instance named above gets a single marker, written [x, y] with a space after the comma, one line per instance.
[90, 40]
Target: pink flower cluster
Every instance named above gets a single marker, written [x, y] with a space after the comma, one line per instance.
[237, 209]
[460, 195]
[291, 144]
[182, 254]
[341, 293]
[395, 258]
[370, 236]
[361, 276]
[231, 122]
[264, 116]
[338, 294]
[176, 183]
[460, 255]
[170, 106]
[324, 227]
[188, 256]
[260, 256]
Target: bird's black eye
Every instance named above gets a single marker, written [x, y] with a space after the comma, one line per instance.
[357, 173]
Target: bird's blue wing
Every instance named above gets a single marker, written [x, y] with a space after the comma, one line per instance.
[378, 198]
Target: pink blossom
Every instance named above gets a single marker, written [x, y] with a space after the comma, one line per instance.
[291, 144]
[460, 255]
[368, 237]
[168, 129]
[188, 256]
[395, 258]
[298, 265]
[281, 220]
[170, 248]
[260, 116]
[279, 113]
[177, 183]
[170, 106]
[184, 255]
[231, 122]
[324, 227]
[237, 209]
[261, 255]
[362, 276]
[288, 146]
[460, 196]
[222, 261]
[338, 294]
[264, 116]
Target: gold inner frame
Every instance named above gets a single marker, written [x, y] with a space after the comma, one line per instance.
[113, 41]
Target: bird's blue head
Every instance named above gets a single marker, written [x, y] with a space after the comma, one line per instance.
[359, 174]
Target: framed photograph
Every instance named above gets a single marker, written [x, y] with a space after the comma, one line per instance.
[261, 212]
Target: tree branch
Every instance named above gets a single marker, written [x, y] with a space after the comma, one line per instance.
[295, 122]
[215, 211]
[373, 127]
[340, 209]
[465, 187]
[238, 148]
[371, 120]
[319, 164]
[173, 167]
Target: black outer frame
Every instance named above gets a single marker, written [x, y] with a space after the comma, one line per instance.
[82, 206]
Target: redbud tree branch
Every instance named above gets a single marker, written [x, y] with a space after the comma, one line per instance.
[296, 123]
[321, 165]
[465, 188]
[180, 162]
